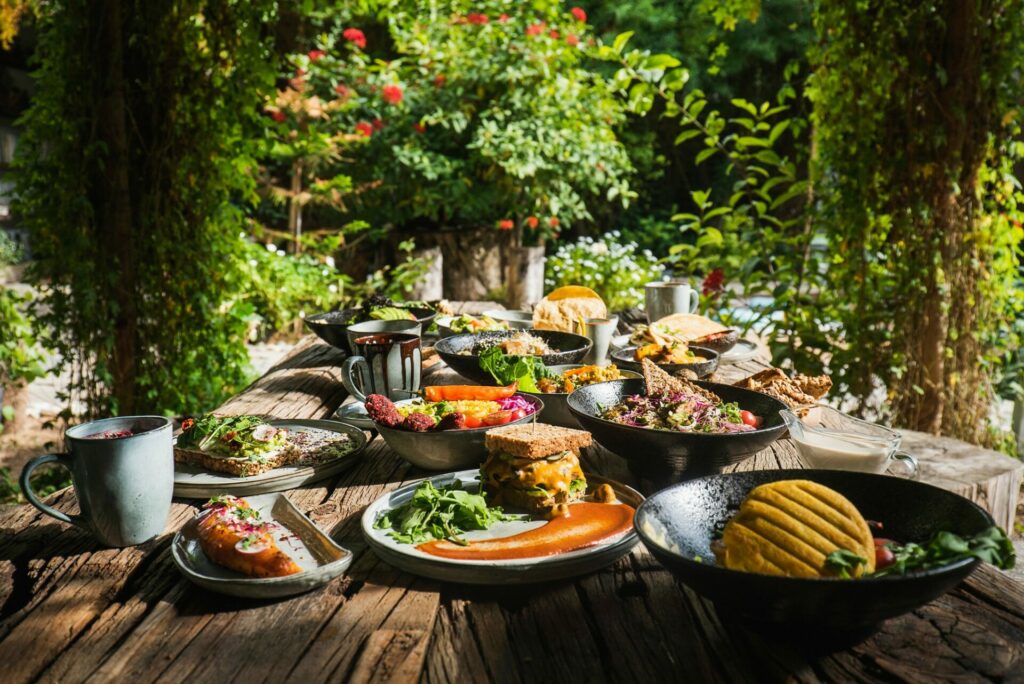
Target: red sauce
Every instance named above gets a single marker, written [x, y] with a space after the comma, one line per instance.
[586, 524]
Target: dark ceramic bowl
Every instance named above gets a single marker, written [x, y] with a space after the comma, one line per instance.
[332, 327]
[445, 449]
[556, 404]
[662, 457]
[678, 525]
[462, 352]
[624, 358]
[719, 342]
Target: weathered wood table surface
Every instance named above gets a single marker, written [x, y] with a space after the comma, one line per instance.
[71, 610]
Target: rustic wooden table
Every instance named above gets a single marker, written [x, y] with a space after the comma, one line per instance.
[70, 610]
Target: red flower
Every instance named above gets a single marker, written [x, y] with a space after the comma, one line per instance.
[532, 221]
[572, 40]
[392, 94]
[187, 424]
[316, 54]
[477, 18]
[535, 29]
[554, 222]
[439, 80]
[378, 124]
[503, 18]
[354, 35]
[364, 129]
[714, 282]
[278, 116]
[578, 13]
[554, 34]
[506, 224]
[343, 91]
[419, 128]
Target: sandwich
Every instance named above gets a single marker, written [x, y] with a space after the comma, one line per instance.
[238, 445]
[534, 467]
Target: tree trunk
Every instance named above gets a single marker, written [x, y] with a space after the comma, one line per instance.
[115, 206]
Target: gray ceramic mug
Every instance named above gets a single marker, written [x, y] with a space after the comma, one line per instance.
[388, 364]
[124, 483]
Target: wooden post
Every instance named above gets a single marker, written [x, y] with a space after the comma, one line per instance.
[295, 209]
[525, 276]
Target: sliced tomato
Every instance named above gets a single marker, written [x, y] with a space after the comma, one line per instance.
[499, 417]
[518, 414]
[750, 419]
[472, 421]
[883, 557]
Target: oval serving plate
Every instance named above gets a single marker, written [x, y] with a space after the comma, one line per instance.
[319, 556]
[192, 482]
[518, 571]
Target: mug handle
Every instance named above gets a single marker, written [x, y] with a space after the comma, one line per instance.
[907, 462]
[352, 366]
[694, 300]
[26, 487]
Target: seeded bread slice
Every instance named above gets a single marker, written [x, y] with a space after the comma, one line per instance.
[242, 467]
[536, 440]
[659, 381]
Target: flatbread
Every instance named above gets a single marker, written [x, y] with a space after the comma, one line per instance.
[684, 327]
[566, 313]
[658, 381]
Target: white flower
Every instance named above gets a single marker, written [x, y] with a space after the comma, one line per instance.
[599, 248]
[280, 252]
[329, 261]
[302, 314]
[332, 288]
[252, 262]
[324, 272]
[271, 247]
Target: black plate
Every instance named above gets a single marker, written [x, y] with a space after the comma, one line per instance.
[570, 349]
[679, 523]
[331, 327]
[624, 358]
[719, 342]
[662, 457]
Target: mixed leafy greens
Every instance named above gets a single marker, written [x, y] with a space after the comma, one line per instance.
[236, 436]
[507, 368]
[444, 513]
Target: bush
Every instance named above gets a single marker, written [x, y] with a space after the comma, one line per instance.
[615, 269]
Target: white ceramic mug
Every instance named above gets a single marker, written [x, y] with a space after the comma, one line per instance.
[388, 364]
[664, 298]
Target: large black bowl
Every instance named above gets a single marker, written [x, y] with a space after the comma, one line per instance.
[462, 352]
[625, 359]
[678, 525]
[663, 457]
[332, 327]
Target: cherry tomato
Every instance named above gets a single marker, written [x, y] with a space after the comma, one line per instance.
[518, 414]
[499, 417]
[472, 421]
[750, 419]
[883, 555]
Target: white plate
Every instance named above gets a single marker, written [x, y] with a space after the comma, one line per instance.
[320, 558]
[620, 341]
[193, 482]
[744, 350]
[518, 571]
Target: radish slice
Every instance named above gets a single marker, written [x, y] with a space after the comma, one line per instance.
[256, 546]
[264, 433]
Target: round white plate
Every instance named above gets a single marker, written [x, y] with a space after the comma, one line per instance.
[192, 482]
[744, 350]
[320, 558]
[518, 571]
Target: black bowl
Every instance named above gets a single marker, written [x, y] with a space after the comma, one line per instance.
[332, 327]
[662, 457]
[678, 525]
[624, 358]
[719, 342]
[462, 352]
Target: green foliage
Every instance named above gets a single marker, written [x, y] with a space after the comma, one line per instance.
[501, 123]
[614, 268]
[45, 481]
[20, 358]
[138, 283]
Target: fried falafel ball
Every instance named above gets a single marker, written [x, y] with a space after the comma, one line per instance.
[418, 422]
[452, 421]
[382, 410]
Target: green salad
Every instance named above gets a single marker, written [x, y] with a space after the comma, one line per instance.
[507, 368]
[247, 437]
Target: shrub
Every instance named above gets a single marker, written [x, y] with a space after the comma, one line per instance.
[615, 269]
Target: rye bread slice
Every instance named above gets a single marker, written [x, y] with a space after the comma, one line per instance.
[535, 441]
[659, 381]
[239, 466]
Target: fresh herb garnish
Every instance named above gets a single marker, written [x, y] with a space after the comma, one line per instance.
[844, 562]
[233, 436]
[444, 513]
[992, 546]
[577, 485]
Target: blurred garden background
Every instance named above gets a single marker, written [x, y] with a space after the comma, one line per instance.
[183, 181]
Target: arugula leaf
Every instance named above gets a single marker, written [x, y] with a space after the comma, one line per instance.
[991, 545]
[506, 368]
[444, 513]
[844, 562]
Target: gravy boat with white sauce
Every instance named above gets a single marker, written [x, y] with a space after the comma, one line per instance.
[842, 442]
